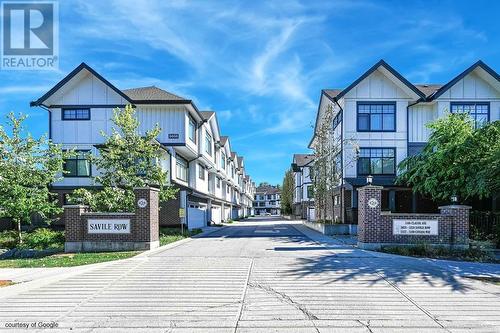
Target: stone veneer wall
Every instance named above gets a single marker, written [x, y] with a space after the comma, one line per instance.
[375, 228]
[144, 226]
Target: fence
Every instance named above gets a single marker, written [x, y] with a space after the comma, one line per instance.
[484, 224]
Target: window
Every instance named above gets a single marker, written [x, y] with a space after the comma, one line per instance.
[181, 168]
[75, 114]
[377, 161]
[218, 182]
[479, 112]
[192, 130]
[201, 172]
[78, 165]
[310, 192]
[223, 160]
[208, 143]
[376, 117]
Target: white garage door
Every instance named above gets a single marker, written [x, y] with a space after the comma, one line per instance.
[196, 216]
[216, 214]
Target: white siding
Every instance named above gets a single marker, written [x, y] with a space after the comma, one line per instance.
[418, 116]
[471, 87]
[376, 87]
[85, 89]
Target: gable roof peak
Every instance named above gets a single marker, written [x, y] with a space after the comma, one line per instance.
[460, 76]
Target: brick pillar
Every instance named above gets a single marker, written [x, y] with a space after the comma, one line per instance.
[459, 224]
[73, 227]
[369, 220]
[147, 215]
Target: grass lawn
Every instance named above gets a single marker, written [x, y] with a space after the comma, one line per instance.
[170, 235]
[66, 259]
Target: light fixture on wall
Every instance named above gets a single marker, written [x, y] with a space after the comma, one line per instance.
[369, 179]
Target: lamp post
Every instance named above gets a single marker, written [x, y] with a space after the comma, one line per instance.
[454, 199]
[369, 179]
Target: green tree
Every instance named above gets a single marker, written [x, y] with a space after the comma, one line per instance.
[457, 160]
[127, 159]
[27, 167]
[287, 192]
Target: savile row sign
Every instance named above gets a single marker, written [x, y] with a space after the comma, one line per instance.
[95, 226]
[414, 227]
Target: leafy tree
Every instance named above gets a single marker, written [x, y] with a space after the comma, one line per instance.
[287, 192]
[327, 171]
[457, 160]
[27, 167]
[126, 160]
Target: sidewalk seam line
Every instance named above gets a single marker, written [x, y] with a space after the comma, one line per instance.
[243, 296]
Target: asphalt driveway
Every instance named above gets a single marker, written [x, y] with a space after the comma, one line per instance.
[262, 276]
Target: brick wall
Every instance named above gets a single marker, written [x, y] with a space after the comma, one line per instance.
[144, 226]
[375, 228]
[169, 212]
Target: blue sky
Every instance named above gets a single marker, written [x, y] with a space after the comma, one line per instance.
[260, 65]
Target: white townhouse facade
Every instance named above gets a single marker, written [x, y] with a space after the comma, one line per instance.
[303, 194]
[199, 161]
[381, 118]
[267, 200]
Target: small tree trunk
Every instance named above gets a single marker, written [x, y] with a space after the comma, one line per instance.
[19, 235]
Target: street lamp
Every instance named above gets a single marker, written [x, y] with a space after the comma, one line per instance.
[369, 179]
[454, 199]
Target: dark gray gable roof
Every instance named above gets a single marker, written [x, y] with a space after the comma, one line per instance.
[68, 77]
[144, 95]
[460, 76]
[223, 140]
[303, 159]
[428, 89]
[151, 93]
[372, 69]
[233, 156]
[267, 189]
[240, 161]
[207, 114]
[332, 93]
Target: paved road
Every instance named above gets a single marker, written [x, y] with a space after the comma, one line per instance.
[263, 276]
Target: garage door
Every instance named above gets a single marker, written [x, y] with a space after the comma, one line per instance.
[216, 214]
[196, 216]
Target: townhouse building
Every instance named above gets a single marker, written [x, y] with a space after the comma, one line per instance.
[199, 160]
[381, 118]
[267, 200]
[303, 194]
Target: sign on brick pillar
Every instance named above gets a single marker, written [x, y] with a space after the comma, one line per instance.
[460, 224]
[369, 209]
[147, 214]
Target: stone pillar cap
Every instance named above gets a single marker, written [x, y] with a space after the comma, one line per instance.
[151, 188]
[75, 206]
[370, 186]
[455, 207]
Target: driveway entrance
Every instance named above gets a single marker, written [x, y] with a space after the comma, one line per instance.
[261, 276]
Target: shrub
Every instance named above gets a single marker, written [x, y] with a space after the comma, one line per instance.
[8, 239]
[42, 239]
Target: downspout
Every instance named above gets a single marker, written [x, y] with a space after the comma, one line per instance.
[413, 199]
